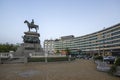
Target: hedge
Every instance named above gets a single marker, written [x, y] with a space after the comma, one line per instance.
[49, 59]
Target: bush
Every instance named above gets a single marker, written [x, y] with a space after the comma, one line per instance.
[117, 62]
[112, 69]
[36, 59]
[54, 59]
[98, 58]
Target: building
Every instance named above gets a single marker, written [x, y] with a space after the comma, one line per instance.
[106, 41]
[67, 37]
[63, 43]
[49, 46]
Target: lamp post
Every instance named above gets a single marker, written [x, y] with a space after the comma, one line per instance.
[103, 42]
[103, 45]
[46, 55]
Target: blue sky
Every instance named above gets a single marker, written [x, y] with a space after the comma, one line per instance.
[56, 18]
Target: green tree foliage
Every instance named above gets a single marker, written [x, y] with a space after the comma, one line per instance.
[114, 67]
[117, 62]
[67, 51]
[8, 47]
[98, 58]
[57, 51]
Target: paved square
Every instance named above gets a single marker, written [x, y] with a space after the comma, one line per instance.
[75, 70]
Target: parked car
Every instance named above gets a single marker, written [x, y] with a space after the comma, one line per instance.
[80, 56]
[109, 59]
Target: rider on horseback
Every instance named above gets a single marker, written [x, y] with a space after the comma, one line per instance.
[32, 23]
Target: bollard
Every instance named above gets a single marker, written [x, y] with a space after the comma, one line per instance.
[0, 60]
[25, 60]
[46, 60]
[46, 56]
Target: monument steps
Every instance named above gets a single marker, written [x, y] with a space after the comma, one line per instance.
[19, 52]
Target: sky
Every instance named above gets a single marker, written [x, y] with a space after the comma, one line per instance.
[56, 18]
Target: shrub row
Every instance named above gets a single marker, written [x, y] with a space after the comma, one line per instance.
[49, 59]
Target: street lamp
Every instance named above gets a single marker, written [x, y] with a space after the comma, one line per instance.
[46, 55]
[103, 42]
[79, 51]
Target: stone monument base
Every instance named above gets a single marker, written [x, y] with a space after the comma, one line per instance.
[31, 47]
[31, 44]
[26, 48]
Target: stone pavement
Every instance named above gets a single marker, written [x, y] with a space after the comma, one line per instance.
[75, 70]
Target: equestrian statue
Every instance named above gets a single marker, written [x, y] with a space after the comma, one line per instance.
[31, 25]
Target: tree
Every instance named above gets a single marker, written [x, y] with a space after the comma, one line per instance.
[8, 47]
[79, 51]
[57, 51]
[67, 51]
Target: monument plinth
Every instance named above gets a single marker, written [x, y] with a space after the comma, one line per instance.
[31, 42]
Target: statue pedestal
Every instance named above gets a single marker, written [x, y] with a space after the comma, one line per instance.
[31, 44]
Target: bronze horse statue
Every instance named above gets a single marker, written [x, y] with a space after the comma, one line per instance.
[31, 25]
